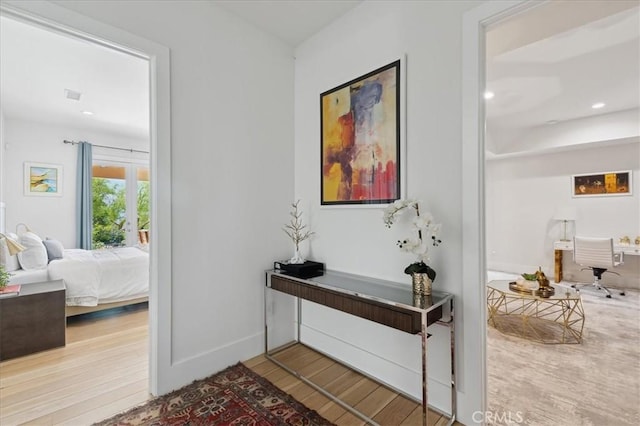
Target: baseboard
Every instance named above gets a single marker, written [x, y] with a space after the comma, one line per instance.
[184, 371]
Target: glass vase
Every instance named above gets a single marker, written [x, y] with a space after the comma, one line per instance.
[297, 259]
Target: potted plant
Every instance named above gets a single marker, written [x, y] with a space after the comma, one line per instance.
[297, 231]
[4, 277]
[427, 236]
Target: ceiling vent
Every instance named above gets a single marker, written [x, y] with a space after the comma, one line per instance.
[72, 94]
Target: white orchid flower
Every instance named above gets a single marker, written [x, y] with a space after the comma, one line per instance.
[423, 221]
[409, 244]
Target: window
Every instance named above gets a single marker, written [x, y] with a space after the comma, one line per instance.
[120, 204]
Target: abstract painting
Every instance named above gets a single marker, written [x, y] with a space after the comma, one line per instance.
[42, 179]
[601, 184]
[360, 139]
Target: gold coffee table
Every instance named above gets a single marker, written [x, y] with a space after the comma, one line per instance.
[555, 319]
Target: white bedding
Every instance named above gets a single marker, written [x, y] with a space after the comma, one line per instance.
[102, 276]
[25, 277]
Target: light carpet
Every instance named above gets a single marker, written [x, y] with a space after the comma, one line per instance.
[594, 383]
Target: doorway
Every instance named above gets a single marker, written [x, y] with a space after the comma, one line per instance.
[475, 24]
[531, 148]
[61, 20]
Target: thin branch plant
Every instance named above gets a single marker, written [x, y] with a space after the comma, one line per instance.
[297, 231]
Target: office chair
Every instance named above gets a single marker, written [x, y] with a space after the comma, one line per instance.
[596, 254]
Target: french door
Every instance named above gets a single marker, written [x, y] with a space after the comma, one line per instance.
[120, 204]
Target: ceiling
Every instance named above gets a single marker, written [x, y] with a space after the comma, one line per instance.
[543, 65]
[292, 21]
[37, 65]
[559, 70]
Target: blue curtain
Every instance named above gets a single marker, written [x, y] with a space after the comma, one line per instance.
[84, 198]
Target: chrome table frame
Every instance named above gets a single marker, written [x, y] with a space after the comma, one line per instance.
[302, 288]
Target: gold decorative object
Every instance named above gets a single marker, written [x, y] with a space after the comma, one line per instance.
[541, 278]
[421, 284]
[626, 240]
[547, 291]
[544, 289]
[637, 241]
[520, 288]
[557, 318]
[422, 302]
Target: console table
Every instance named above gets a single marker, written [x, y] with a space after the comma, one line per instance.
[384, 302]
[34, 320]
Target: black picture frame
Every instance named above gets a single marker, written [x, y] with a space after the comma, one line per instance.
[360, 140]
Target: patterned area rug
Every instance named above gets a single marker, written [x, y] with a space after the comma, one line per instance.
[235, 396]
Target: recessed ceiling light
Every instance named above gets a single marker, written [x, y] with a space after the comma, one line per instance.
[72, 94]
[597, 105]
[87, 112]
[488, 95]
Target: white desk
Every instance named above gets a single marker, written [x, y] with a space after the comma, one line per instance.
[560, 246]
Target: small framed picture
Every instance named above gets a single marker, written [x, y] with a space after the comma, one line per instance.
[42, 180]
[604, 184]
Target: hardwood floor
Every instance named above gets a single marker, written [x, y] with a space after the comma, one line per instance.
[382, 404]
[103, 370]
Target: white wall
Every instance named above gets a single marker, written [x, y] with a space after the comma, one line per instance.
[355, 239]
[231, 173]
[31, 141]
[3, 221]
[2, 155]
[523, 193]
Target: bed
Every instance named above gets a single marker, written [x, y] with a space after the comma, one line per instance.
[96, 279]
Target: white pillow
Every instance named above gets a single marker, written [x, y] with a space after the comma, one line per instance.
[35, 256]
[10, 263]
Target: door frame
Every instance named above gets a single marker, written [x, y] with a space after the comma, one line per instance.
[65, 21]
[472, 408]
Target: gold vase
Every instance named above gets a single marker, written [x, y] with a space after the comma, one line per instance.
[421, 284]
[422, 302]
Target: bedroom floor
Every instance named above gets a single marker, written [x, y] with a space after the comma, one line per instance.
[592, 383]
[101, 371]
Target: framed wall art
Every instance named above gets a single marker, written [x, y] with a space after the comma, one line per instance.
[42, 179]
[601, 184]
[360, 140]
